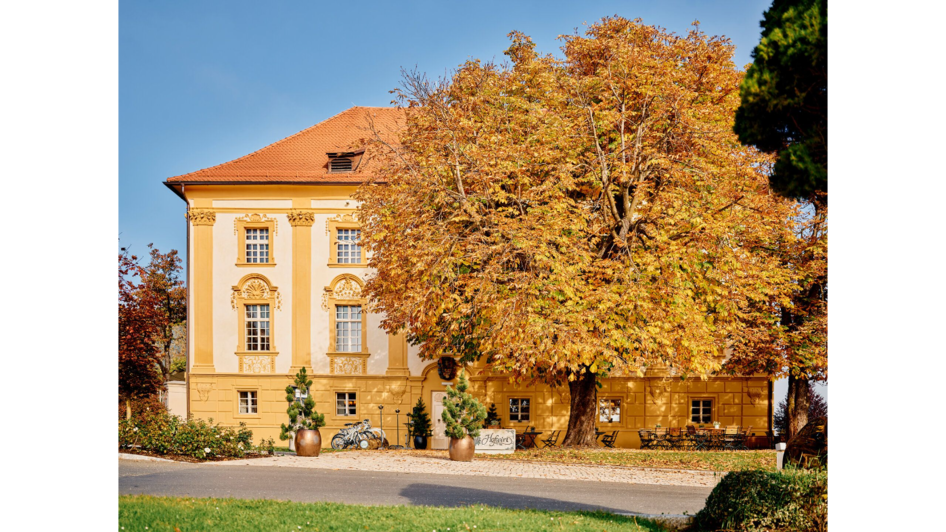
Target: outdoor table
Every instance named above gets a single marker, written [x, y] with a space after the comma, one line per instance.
[528, 439]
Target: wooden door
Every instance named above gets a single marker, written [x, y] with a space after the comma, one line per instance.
[438, 440]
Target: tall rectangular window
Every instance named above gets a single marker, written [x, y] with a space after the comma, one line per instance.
[247, 402]
[257, 327]
[349, 249]
[701, 411]
[257, 246]
[345, 404]
[348, 328]
[519, 409]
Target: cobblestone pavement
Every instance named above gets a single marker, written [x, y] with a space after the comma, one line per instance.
[401, 462]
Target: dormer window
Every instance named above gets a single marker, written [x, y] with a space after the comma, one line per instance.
[340, 162]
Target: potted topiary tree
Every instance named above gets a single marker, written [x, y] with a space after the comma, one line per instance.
[304, 421]
[464, 416]
[492, 418]
[420, 428]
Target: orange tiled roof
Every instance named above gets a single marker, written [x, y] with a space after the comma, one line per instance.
[301, 158]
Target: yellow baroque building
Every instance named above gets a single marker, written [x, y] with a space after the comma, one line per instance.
[274, 276]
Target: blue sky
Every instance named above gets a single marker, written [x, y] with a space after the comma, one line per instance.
[202, 83]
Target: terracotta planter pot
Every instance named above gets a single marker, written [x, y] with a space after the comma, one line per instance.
[420, 442]
[461, 449]
[308, 442]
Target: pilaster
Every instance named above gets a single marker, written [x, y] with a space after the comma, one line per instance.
[397, 355]
[203, 221]
[301, 221]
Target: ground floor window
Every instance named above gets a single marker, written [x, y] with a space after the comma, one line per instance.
[247, 402]
[609, 410]
[345, 404]
[519, 409]
[701, 411]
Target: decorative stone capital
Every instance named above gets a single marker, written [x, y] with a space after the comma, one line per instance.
[301, 218]
[202, 216]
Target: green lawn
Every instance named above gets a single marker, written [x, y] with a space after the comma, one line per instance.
[701, 460]
[235, 515]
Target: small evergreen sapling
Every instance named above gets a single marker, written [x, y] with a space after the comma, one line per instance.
[462, 413]
[302, 414]
[492, 417]
[421, 419]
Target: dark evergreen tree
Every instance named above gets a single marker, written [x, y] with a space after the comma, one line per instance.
[492, 416]
[421, 419]
[784, 107]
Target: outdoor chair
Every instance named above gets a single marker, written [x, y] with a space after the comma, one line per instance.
[660, 439]
[701, 440]
[609, 439]
[731, 438]
[674, 438]
[647, 439]
[552, 440]
[742, 438]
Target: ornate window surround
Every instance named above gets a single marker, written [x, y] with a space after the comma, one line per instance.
[255, 289]
[254, 221]
[346, 290]
[332, 225]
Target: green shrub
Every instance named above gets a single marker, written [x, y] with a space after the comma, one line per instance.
[156, 431]
[302, 414]
[140, 406]
[756, 501]
[462, 413]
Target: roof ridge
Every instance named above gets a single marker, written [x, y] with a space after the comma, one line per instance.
[280, 141]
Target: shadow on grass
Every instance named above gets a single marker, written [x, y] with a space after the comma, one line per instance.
[452, 496]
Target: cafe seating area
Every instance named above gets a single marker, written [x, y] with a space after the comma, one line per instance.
[692, 438]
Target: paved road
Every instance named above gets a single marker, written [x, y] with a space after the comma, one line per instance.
[365, 487]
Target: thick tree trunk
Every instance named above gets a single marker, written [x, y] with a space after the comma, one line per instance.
[798, 403]
[581, 416]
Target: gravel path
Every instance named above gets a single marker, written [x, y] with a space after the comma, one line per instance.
[398, 462]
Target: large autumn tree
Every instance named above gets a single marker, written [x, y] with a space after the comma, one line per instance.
[162, 286]
[577, 218]
[138, 356]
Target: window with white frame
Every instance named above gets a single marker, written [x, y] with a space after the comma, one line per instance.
[519, 409]
[701, 410]
[257, 327]
[609, 410]
[345, 404]
[349, 248]
[247, 402]
[348, 328]
[257, 246]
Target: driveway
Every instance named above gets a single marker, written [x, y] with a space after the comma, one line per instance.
[308, 484]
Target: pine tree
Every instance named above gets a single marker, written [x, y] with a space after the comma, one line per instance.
[462, 413]
[302, 414]
[492, 417]
[421, 419]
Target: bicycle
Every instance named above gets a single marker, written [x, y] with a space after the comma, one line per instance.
[359, 436]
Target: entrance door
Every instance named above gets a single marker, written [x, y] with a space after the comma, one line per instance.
[438, 440]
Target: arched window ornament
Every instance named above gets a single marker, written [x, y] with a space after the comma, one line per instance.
[255, 301]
